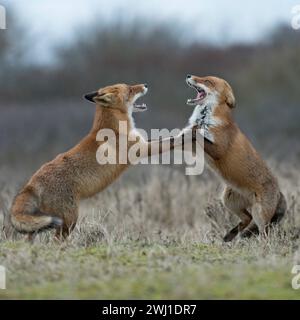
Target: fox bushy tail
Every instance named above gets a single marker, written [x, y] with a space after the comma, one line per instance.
[27, 218]
[280, 209]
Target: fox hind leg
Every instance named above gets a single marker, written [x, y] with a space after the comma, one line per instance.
[277, 216]
[262, 214]
[69, 223]
[237, 205]
[251, 230]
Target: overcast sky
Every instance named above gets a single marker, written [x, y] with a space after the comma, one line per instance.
[219, 21]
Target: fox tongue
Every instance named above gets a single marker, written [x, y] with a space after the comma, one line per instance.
[200, 95]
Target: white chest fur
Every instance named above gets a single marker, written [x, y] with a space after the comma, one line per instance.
[203, 117]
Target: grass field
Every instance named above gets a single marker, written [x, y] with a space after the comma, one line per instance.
[155, 233]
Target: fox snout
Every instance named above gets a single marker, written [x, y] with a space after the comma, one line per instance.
[139, 88]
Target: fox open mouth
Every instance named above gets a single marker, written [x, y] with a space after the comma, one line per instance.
[139, 107]
[201, 94]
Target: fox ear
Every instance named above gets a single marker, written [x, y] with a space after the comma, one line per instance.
[230, 99]
[105, 99]
[90, 96]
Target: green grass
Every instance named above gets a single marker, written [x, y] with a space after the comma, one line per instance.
[145, 271]
[155, 237]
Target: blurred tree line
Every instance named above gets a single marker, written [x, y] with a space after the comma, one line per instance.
[101, 55]
[265, 75]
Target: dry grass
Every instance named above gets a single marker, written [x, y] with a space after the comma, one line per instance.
[155, 234]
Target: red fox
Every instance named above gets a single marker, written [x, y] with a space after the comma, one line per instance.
[50, 199]
[251, 192]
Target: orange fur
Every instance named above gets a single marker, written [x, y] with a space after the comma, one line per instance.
[52, 195]
[252, 192]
